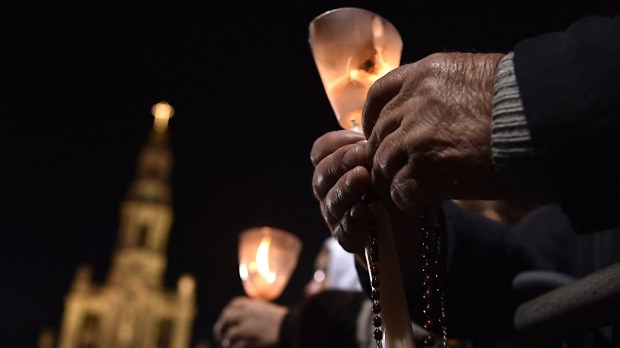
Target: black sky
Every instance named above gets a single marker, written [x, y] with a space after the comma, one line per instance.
[79, 81]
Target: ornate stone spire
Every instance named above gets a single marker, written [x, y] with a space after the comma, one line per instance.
[133, 309]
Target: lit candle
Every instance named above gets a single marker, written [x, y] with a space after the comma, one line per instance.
[267, 258]
[397, 330]
[162, 112]
[347, 92]
[352, 48]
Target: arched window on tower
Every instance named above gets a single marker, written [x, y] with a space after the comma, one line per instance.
[164, 337]
[142, 240]
[88, 335]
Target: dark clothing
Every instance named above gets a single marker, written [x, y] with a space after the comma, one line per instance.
[571, 255]
[476, 247]
[484, 258]
[568, 252]
[327, 319]
[570, 87]
[569, 84]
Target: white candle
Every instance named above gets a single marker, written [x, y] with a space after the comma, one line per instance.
[397, 329]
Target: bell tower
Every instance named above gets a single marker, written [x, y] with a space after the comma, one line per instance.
[146, 214]
[132, 309]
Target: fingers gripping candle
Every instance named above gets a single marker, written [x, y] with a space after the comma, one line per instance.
[352, 48]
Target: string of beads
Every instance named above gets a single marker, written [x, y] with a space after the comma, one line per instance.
[375, 294]
[432, 271]
[432, 281]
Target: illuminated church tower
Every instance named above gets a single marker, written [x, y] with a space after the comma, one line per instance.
[132, 309]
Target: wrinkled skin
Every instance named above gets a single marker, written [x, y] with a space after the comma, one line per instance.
[340, 182]
[428, 126]
[249, 323]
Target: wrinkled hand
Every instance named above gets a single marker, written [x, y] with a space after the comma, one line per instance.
[428, 126]
[249, 323]
[340, 182]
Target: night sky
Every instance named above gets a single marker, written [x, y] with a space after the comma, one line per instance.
[79, 80]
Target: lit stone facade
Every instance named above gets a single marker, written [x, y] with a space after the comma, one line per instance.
[132, 309]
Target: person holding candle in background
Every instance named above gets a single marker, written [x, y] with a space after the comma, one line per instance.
[539, 123]
[334, 288]
[334, 313]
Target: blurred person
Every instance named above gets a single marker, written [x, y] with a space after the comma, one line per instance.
[253, 323]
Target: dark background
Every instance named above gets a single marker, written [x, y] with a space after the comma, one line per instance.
[79, 79]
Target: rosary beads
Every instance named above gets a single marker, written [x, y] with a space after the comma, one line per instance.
[435, 318]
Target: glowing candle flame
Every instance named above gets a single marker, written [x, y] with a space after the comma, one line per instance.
[352, 58]
[348, 92]
[162, 112]
[262, 260]
[352, 49]
[267, 258]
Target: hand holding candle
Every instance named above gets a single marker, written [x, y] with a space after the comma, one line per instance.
[352, 48]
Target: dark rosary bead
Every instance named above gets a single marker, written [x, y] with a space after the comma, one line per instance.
[443, 319]
[375, 294]
[376, 308]
[375, 282]
[378, 334]
[429, 341]
[426, 267]
[374, 244]
[428, 309]
[374, 270]
[428, 280]
[429, 325]
[432, 270]
[374, 255]
[376, 321]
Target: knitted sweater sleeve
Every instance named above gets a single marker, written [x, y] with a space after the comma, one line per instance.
[555, 121]
[513, 153]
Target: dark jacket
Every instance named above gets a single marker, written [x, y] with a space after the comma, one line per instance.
[484, 258]
[570, 87]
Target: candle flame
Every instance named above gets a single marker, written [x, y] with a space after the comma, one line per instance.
[262, 260]
[162, 112]
[348, 92]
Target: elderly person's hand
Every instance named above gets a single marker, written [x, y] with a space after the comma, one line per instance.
[428, 126]
[340, 182]
[249, 323]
